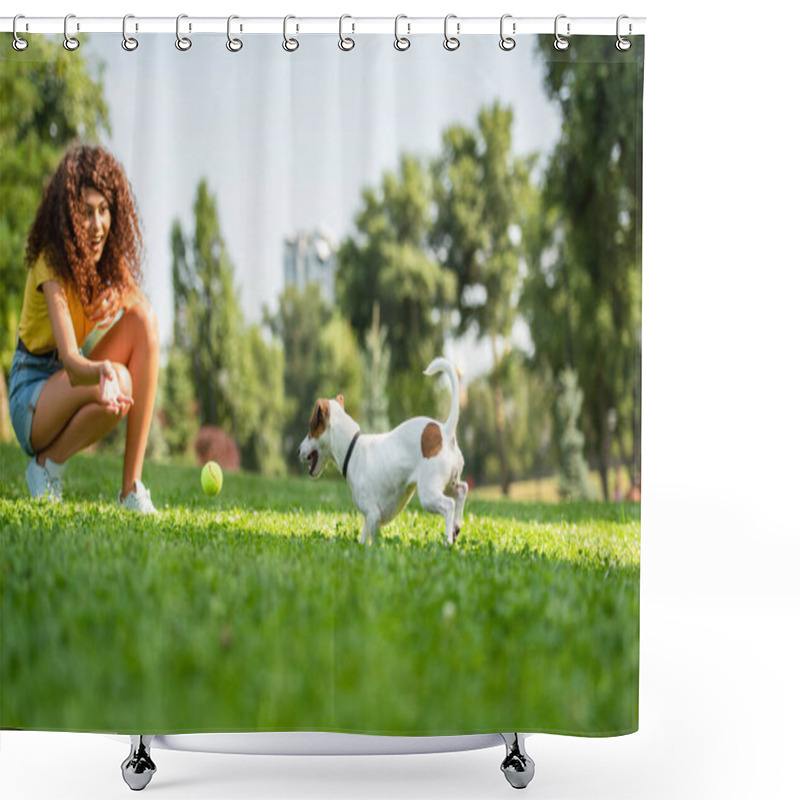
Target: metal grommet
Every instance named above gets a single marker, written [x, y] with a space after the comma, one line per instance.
[560, 43]
[623, 44]
[19, 44]
[128, 42]
[401, 43]
[233, 45]
[451, 43]
[183, 43]
[346, 43]
[70, 42]
[507, 43]
[289, 45]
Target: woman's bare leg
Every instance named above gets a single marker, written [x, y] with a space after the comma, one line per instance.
[70, 418]
[88, 425]
[133, 342]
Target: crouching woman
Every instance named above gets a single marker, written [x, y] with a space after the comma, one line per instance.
[83, 257]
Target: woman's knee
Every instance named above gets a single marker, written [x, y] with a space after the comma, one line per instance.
[147, 322]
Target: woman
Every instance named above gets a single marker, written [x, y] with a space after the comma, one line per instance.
[83, 256]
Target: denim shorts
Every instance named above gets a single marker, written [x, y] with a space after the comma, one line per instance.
[29, 373]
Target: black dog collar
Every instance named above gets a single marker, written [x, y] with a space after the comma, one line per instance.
[349, 453]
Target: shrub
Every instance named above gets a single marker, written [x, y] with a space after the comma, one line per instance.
[214, 444]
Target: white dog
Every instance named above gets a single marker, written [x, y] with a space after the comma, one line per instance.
[383, 470]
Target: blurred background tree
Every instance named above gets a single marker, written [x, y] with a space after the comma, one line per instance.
[583, 296]
[178, 404]
[256, 376]
[573, 479]
[301, 315]
[528, 434]
[320, 355]
[236, 375]
[375, 361]
[50, 99]
[483, 194]
[206, 313]
[388, 260]
[341, 366]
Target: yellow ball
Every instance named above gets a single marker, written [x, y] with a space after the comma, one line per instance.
[211, 478]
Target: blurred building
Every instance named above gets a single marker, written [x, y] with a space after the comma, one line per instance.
[310, 257]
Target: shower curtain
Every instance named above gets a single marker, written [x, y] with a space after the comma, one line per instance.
[322, 222]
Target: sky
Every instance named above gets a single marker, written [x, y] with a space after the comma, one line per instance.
[287, 141]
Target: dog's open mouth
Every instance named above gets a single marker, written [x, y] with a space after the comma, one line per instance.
[313, 458]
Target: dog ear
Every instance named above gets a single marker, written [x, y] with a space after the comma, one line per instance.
[319, 415]
[340, 400]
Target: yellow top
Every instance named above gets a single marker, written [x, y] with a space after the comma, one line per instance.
[35, 329]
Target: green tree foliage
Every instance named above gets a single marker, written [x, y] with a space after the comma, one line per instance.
[583, 298]
[528, 434]
[179, 407]
[389, 261]
[301, 315]
[237, 377]
[259, 409]
[375, 361]
[341, 363]
[207, 316]
[573, 479]
[483, 195]
[321, 358]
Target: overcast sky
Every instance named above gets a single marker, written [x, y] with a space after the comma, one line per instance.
[287, 141]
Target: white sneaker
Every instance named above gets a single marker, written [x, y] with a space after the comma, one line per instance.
[138, 499]
[44, 481]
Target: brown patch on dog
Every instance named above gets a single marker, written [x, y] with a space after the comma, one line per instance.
[319, 419]
[431, 440]
[340, 400]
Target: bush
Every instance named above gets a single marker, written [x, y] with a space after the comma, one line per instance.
[214, 444]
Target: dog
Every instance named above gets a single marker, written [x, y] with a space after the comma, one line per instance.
[383, 470]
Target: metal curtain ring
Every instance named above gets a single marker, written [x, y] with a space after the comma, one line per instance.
[507, 42]
[234, 45]
[560, 43]
[289, 45]
[346, 43]
[183, 43]
[401, 42]
[451, 42]
[19, 44]
[622, 43]
[128, 42]
[70, 42]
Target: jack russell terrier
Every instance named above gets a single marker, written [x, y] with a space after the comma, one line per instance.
[383, 470]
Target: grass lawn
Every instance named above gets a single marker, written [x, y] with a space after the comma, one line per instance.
[259, 610]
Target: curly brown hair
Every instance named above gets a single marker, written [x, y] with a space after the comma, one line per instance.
[59, 234]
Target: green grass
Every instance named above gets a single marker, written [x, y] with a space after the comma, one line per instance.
[259, 611]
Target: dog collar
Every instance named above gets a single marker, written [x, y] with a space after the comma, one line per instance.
[349, 453]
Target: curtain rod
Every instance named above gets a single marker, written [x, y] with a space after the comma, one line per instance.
[349, 25]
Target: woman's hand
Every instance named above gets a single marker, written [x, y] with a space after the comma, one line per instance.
[111, 395]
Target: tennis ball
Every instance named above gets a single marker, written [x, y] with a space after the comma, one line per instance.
[211, 478]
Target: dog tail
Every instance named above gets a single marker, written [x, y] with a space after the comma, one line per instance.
[443, 365]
